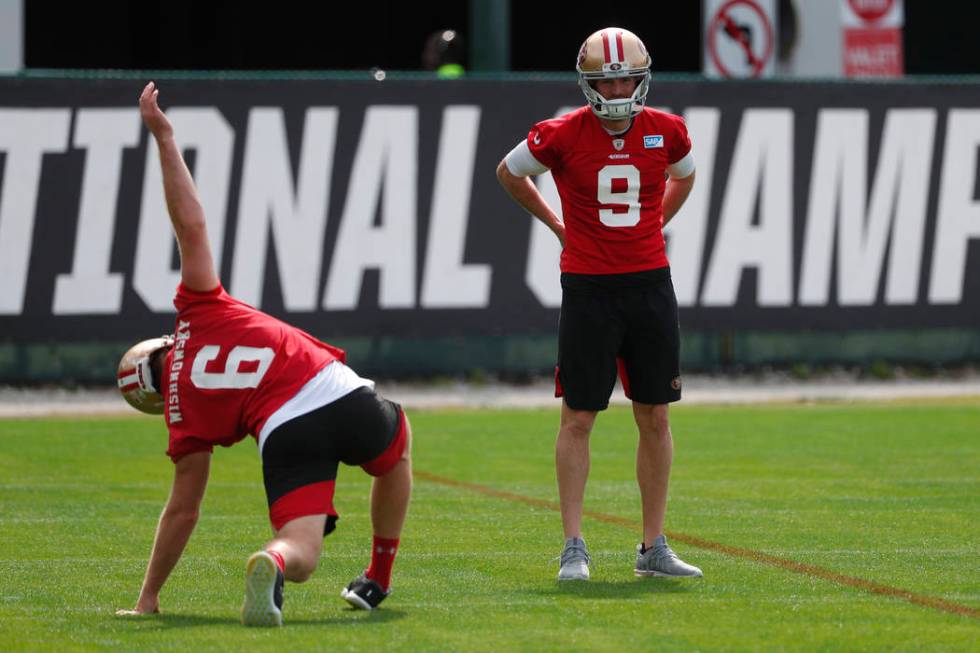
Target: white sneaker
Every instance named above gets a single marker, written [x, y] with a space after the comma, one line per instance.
[660, 560]
[263, 591]
[574, 560]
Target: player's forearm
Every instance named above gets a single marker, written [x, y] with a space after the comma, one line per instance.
[675, 195]
[173, 532]
[183, 205]
[523, 191]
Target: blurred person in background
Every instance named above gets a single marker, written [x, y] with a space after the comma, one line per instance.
[443, 54]
[230, 370]
[622, 170]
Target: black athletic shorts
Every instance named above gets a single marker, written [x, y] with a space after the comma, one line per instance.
[300, 457]
[618, 323]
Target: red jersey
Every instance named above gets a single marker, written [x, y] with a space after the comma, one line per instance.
[611, 187]
[231, 367]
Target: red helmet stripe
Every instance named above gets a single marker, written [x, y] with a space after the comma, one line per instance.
[605, 46]
[619, 46]
[127, 388]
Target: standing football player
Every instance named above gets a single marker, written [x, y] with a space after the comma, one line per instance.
[229, 371]
[623, 171]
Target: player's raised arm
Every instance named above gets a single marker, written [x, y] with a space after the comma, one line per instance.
[186, 214]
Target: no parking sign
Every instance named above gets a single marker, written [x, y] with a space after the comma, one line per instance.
[739, 38]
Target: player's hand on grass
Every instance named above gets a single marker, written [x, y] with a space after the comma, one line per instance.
[143, 606]
[153, 117]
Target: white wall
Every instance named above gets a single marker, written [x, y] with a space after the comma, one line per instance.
[11, 35]
[818, 51]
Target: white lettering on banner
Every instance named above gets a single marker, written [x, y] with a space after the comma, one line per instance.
[25, 136]
[761, 166]
[901, 188]
[687, 231]
[232, 378]
[447, 281]
[542, 273]
[206, 132]
[867, 223]
[958, 214]
[90, 288]
[386, 164]
[297, 219]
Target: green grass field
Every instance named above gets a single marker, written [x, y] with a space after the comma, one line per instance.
[884, 494]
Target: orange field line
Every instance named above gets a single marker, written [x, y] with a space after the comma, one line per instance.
[734, 551]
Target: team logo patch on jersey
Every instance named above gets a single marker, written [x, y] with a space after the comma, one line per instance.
[618, 143]
[653, 141]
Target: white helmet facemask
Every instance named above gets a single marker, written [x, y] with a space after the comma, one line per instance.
[618, 109]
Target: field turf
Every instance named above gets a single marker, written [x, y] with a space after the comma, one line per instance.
[819, 527]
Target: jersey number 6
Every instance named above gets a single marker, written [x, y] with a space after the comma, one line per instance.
[630, 196]
[255, 359]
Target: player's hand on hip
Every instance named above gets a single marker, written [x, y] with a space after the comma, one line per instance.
[560, 232]
[153, 117]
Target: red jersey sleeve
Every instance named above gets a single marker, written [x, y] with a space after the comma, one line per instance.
[544, 142]
[182, 445]
[185, 296]
[680, 144]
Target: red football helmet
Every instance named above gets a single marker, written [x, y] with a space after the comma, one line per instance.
[135, 376]
[609, 53]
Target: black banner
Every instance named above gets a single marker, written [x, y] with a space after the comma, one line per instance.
[359, 208]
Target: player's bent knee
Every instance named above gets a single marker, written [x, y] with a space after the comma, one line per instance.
[303, 569]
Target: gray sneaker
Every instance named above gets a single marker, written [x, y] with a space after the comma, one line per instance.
[660, 560]
[574, 560]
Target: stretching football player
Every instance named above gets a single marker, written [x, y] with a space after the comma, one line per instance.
[229, 371]
[623, 171]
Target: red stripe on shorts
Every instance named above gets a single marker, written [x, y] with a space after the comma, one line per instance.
[390, 457]
[559, 391]
[312, 499]
[624, 377]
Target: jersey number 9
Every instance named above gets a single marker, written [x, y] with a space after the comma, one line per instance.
[630, 196]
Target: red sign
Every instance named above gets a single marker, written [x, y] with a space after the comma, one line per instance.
[871, 10]
[873, 53]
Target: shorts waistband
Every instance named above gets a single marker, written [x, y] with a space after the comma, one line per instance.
[607, 282]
